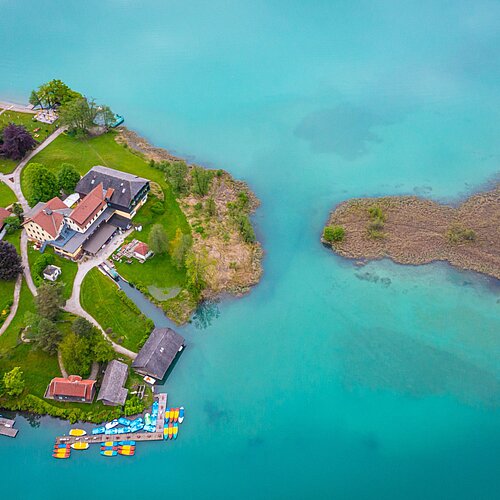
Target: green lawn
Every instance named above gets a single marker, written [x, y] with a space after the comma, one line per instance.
[7, 196]
[26, 119]
[99, 297]
[68, 268]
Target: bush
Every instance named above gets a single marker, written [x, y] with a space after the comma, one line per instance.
[459, 234]
[333, 233]
[133, 406]
[376, 213]
[158, 208]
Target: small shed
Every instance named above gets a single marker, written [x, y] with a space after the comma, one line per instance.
[158, 353]
[71, 200]
[51, 273]
[142, 251]
[113, 392]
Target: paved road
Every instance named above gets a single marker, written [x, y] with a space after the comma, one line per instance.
[15, 303]
[74, 306]
[26, 264]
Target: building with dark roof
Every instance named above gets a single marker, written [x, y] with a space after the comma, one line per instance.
[158, 353]
[124, 192]
[112, 391]
[73, 389]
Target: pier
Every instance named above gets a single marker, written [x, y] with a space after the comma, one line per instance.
[130, 436]
[7, 427]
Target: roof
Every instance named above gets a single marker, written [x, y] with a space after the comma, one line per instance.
[158, 352]
[70, 200]
[49, 216]
[4, 213]
[120, 221]
[115, 377]
[89, 206]
[73, 387]
[97, 240]
[50, 270]
[121, 187]
[142, 249]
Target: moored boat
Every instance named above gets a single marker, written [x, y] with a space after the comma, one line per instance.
[176, 415]
[61, 455]
[181, 414]
[99, 430]
[176, 430]
[111, 424]
[80, 446]
[127, 453]
[77, 432]
[170, 431]
[109, 453]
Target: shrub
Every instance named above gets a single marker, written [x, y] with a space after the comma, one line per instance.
[333, 233]
[133, 406]
[246, 229]
[158, 208]
[376, 213]
[459, 234]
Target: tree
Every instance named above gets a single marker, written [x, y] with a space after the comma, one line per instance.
[76, 354]
[201, 179]
[80, 115]
[175, 174]
[333, 233]
[82, 327]
[41, 183]
[158, 240]
[246, 228]
[38, 267]
[17, 141]
[34, 100]
[211, 207]
[10, 262]
[102, 349]
[68, 178]
[179, 247]
[49, 300]
[55, 93]
[12, 223]
[46, 335]
[196, 269]
[17, 209]
[133, 406]
[13, 382]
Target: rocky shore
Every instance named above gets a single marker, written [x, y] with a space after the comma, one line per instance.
[412, 230]
[234, 264]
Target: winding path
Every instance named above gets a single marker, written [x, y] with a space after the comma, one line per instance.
[15, 304]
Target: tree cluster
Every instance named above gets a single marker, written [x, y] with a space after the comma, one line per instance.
[43, 185]
[82, 114]
[52, 94]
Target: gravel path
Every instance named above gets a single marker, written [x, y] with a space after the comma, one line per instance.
[15, 304]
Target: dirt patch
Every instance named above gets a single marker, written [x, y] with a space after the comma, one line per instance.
[419, 231]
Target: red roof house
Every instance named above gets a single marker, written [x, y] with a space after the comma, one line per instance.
[88, 208]
[4, 213]
[142, 251]
[73, 388]
[49, 216]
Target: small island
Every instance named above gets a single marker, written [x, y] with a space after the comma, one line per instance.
[413, 230]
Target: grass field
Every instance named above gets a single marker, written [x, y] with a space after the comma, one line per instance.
[7, 196]
[26, 119]
[99, 297]
[68, 268]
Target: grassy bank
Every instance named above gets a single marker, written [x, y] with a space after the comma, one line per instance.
[101, 298]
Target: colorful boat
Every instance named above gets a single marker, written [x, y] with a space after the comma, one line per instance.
[170, 431]
[126, 443]
[60, 455]
[111, 424]
[124, 421]
[80, 446]
[109, 443]
[181, 414]
[165, 432]
[61, 445]
[99, 430]
[127, 453]
[176, 430]
[109, 453]
[77, 432]
[167, 414]
[176, 415]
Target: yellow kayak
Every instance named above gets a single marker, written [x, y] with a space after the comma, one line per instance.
[109, 443]
[170, 431]
[80, 446]
[77, 432]
[167, 415]
[176, 415]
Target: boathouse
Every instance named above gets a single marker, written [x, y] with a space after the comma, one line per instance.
[158, 353]
[112, 391]
[73, 389]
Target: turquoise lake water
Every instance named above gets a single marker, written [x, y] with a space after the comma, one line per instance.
[327, 381]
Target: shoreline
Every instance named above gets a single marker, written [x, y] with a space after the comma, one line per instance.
[411, 230]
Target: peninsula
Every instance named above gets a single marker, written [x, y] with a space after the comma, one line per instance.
[413, 230]
[82, 200]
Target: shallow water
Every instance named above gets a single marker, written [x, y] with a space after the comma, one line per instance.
[327, 380]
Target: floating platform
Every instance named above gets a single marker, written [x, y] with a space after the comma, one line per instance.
[136, 436]
[7, 428]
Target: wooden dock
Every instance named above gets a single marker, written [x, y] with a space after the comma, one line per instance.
[131, 436]
[7, 427]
